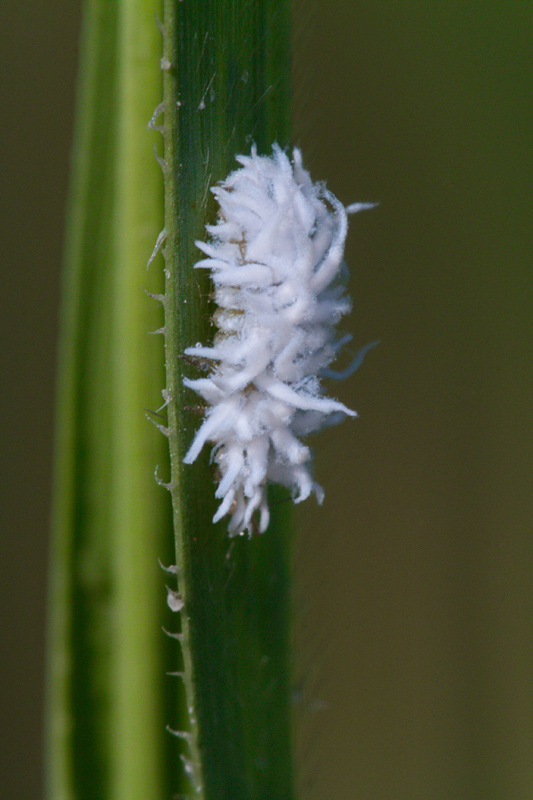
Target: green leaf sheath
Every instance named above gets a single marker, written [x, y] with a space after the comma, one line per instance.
[226, 76]
[106, 683]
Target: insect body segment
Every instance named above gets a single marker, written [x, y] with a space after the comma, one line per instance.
[276, 257]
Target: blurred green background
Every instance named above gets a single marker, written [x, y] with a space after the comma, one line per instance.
[414, 600]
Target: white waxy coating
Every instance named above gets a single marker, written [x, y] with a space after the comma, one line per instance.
[275, 255]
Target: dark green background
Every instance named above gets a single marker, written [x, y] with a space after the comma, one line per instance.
[415, 588]
[38, 46]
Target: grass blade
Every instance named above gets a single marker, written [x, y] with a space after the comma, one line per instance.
[226, 85]
[105, 690]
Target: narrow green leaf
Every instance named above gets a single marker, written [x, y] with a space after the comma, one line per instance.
[138, 517]
[106, 687]
[226, 85]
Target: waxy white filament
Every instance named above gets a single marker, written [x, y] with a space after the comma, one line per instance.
[276, 256]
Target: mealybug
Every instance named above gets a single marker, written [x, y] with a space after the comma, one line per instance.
[276, 261]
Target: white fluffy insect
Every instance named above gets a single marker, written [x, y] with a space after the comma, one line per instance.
[276, 260]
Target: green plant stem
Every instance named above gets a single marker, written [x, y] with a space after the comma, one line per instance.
[226, 85]
[106, 717]
[138, 513]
